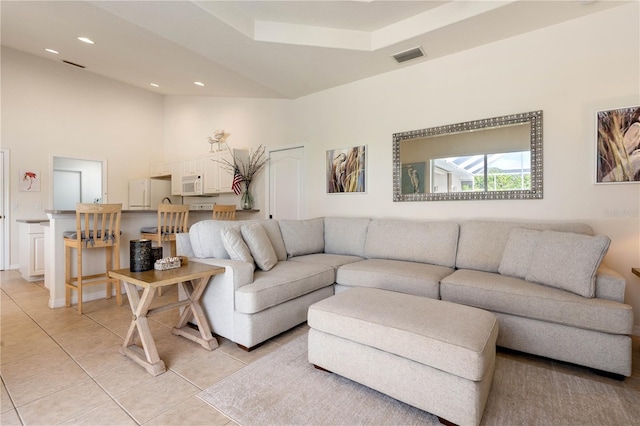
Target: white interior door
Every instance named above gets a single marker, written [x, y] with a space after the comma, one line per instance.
[3, 203]
[67, 191]
[285, 183]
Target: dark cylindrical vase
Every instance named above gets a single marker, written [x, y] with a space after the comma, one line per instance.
[140, 255]
[156, 253]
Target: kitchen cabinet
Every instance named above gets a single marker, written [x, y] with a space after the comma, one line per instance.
[176, 178]
[193, 166]
[217, 179]
[160, 169]
[31, 250]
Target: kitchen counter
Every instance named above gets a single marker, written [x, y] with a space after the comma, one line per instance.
[61, 221]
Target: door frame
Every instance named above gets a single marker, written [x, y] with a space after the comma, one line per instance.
[6, 203]
[73, 157]
[303, 177]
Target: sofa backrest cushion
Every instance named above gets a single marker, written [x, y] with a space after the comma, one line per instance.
[482, 242]
[413, 241]
[303, 236]
[206, 241]
[345, 235]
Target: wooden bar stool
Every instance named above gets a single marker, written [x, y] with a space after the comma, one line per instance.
[224, 211]
[172, 219]
[97, 226]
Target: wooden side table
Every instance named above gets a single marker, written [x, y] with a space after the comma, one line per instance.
[193, 279]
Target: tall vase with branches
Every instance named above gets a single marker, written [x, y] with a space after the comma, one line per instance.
[245, 171]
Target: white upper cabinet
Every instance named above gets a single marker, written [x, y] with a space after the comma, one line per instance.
[217, 177]
[194, 166]
[176, 178]
[160, 169]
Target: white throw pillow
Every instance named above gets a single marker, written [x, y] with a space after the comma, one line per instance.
[518, 252]
[568, 261]
[260, 246]
[235, 245]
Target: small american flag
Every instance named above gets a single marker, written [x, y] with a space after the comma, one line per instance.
[237, 180]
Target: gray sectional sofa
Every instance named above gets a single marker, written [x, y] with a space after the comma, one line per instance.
[544, 281]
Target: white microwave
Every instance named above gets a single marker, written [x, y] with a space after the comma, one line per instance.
[191, 185]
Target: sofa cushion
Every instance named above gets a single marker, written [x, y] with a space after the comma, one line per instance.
[345, 235]
[420, 279]
[414, 241]
[286, 281]
[482, 242]
[206, 240]
[568, 261]
[235, 245]
[261, 249]
[517, 254]
[303, 236]
[509, 295]
[272, 228]
[334, 260]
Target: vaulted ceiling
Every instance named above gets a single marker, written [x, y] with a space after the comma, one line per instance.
[278, 49]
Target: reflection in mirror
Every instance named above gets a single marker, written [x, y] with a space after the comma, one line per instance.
[76, 181]
[496, 158]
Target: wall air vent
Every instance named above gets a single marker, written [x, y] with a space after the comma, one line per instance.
[408, 55]
[74, 64]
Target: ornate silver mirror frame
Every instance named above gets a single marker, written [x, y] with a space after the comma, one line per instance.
[532, 121]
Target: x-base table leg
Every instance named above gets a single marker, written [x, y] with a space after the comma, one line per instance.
[147, 356]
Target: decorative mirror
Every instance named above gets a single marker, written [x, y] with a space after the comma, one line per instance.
[496, 158]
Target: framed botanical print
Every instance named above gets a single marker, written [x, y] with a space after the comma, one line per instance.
[618, 145]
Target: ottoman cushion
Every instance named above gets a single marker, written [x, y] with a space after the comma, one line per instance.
[454, 338]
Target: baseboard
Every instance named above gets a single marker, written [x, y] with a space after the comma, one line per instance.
[88, 296]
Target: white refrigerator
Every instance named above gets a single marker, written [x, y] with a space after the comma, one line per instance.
[146, 194]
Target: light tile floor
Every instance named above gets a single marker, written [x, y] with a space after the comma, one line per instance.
[58, 367]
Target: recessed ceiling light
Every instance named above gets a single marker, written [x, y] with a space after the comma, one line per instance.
[198, 83]
[154, 85]
[55, 52]
[86, 40]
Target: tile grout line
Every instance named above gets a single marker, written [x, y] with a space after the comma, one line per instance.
[91, 378]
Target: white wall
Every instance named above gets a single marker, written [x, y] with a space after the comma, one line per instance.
[189, 121]
[52, 109]
[569, 71]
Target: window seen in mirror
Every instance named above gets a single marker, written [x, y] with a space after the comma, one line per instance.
[505, 171]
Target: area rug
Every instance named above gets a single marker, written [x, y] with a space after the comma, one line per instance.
[282, 388]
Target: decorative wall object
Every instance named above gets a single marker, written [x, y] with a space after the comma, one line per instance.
[618, 156]
[516, 133]
[30, 180]
[413, 178]
[346, 170]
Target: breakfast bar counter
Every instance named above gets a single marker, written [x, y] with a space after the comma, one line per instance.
[61, 221]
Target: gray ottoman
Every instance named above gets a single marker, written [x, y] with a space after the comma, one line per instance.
[431, 354]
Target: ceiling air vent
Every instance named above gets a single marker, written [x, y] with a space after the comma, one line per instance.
[74, 64]
[408, 55]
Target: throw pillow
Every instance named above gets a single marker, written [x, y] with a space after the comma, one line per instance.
[568, 261]
[518, 252]
[235, 245]
[260, 246]
[303, 236]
